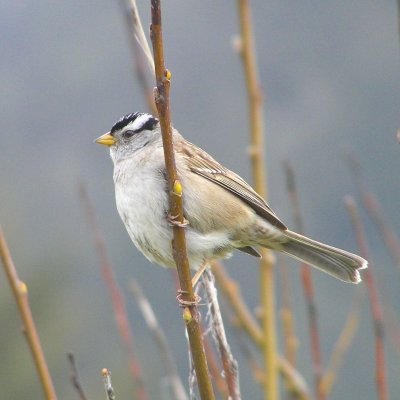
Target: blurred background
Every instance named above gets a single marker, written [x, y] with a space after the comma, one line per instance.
[330, 75]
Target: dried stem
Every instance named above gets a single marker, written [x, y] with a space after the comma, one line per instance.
[107, 384]
[229, 364]
[20, 292]
[75, 377]
[117, 299]
[141, 51]
[376, 309]
[308, 286]
[191, 315]
[344, 342]
[139, 34]
[177, 389]
[267, 290]
[231, 291]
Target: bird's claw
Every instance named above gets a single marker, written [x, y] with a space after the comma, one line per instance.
[187, 303]
[173, 221]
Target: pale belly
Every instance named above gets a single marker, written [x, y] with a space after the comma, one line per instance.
[142, 204]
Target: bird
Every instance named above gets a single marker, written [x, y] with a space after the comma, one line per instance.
[223, 212]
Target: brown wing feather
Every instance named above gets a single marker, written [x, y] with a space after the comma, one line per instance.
[203, 164]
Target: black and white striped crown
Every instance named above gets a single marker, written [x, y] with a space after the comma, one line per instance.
[144, 122]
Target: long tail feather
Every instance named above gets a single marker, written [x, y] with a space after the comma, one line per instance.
[336, 262]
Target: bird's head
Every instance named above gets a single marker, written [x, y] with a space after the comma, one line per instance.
[130, 133]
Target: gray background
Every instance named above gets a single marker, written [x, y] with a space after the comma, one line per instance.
[330, 74]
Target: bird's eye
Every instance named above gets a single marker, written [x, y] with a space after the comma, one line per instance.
[128, 134]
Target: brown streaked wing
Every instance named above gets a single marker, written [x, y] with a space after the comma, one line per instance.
[204, 165]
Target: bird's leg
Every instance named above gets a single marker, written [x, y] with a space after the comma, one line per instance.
[195, 279]
[198, 273]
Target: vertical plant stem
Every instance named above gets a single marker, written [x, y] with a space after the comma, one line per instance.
[267, 290]
[376, 308]
[308, 287]
[20, 292]
[190, 314]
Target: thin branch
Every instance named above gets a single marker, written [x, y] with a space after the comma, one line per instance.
[75, 377]
[376, 309]
[308, 286]
[267, 290]
[116, 297]
[231, 291]
[191, 315]
[20, 292]
[344, 342]
[229, 364]
[177, 389]
[140, 36]
[108, 384]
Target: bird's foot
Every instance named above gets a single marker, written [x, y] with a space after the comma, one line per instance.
[173, 221]
[187, 303]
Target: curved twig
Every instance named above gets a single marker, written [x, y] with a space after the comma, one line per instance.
[143, 58]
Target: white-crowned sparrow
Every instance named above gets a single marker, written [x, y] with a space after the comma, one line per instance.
[223, 211]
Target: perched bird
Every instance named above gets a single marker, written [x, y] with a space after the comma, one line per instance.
[223, 211]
